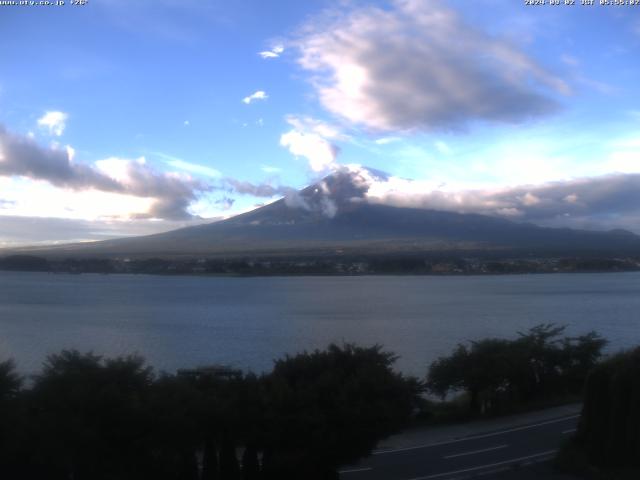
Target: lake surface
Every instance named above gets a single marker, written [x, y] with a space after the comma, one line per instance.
[247, 322]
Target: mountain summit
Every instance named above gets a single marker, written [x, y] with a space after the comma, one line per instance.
[334, 216]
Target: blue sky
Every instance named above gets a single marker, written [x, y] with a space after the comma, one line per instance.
[121, 118]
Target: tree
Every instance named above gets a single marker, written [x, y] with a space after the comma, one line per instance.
[329, 408]
[540, 360]
[175, 406]
[88, 419]
[482, 370]
[11, 415]
[230, 416]
[609, 429]
[497, 373]
[580, 356]
[10, 381]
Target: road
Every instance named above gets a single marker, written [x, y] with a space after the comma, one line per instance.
[476, 455]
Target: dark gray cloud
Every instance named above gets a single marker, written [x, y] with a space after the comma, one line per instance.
[418, 65]
[615, 194]
[607, 201]
[173, 194]
[22, 156]
[255, 189]
[225, 202]
[172, 208]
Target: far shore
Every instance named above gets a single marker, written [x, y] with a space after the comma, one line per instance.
[414, 265]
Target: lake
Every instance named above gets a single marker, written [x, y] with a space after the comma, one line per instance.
[185, 321]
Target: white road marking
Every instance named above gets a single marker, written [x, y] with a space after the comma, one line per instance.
[481, 467]
[474, 437]
[571, 430]
[354, 470]
[476, 451]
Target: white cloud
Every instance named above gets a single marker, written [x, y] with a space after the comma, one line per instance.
[33, 198]
[309, 124]
[268, 54]
[118, 168]
[387, 140]
[274, 52]
[258, 95]
[186, 123]
[270, 169]
[194, 168]
[71, 152]
[318, 151]
[54, 121]
[419, 66]
[310, 138]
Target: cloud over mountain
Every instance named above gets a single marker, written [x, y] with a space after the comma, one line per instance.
[606, 201]
[602, 202]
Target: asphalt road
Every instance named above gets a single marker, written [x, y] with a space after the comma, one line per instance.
[477, 455]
